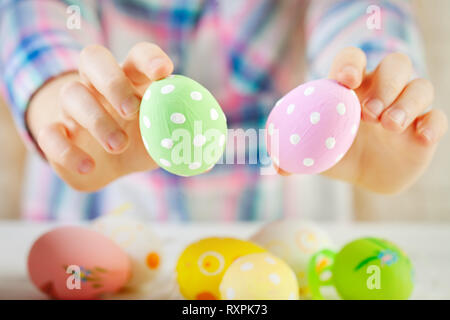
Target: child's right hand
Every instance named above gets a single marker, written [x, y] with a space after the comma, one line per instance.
[90, 135]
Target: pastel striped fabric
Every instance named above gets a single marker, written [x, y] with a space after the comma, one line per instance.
[248, 53]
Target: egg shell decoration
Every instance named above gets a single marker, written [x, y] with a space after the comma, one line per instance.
[312, 127]
[294, 241]
[77, 263]
[201, 265]
[259, 276]
[182, 125]
[366, 269]
[139, 241]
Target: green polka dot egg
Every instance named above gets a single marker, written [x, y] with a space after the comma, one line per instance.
[182, 125]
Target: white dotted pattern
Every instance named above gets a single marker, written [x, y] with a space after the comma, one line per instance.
[294, 139]
[165, 162]
[177, 118]
[309, 91]
[167, 89]
[247, 266]
[290, 108]
[330, 143]
[270, 129]
[230, 294]
[315, 117]
[195, 95]
[194, 165]
[308, 162]
[167, 143]
[214, 114]
[274, 278]
[147, 122]
[147, 94]
[341, 109]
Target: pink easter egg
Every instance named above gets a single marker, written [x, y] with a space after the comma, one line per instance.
[77, 263]
[312, 127]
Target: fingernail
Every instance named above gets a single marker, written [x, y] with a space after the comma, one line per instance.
[347, 73]
[130, 106]
[374, 107]
[427, 134]
[398, 116]
[116, 140]
[155, 65]
[85, 166]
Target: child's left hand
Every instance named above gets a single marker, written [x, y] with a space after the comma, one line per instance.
[396, 140]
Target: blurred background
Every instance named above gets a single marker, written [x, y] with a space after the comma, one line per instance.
[427, 200]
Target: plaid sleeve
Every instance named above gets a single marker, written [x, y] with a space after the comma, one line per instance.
[377, 27]
[40, 40]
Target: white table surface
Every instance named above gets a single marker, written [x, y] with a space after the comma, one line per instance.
[428, 246]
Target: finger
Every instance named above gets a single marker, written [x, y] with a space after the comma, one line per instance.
[415, 98]
[388, 81]
[147, 62]
[100, 68]
[432, 126]
[59, 149]
[80, 105]
[348, 67]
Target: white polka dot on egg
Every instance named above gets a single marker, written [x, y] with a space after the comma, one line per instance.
[177, 118]
[354, 129]
[167, 143]
[199, 140]
[294, 139]
[195, 95]
[330, 143]
[341, 108]
[274, 278]
[247, 266]
[315, 117]
[167, 89]
[339, 157]
[214, 114]
[165, 162]
[279, 102]
[147, 122]
[194, 165]
[309, 91]
[147, 94]
[269, 260]
[308, 162]
[290, 108]
[292, 296]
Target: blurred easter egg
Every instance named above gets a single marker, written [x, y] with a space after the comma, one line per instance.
[202, 264]
[312, 127]
[294, 241]
[136, 239]
[372, 269]
[182, 125]
[259, 276]
[77, 263]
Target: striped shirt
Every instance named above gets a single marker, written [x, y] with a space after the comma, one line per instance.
[248, 53]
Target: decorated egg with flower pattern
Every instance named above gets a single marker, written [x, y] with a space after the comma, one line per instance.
[312, 127]
[182, 125]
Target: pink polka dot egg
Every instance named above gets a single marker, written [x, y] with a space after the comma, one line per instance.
[312, 127]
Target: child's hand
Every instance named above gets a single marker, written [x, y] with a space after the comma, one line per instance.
[90, 135]
[396, 140]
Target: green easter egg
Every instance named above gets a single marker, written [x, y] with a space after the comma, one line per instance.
[372, 269]
[182, 125]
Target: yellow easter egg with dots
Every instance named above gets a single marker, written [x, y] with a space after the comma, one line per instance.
[202, 264]
[259, 276]
[294, 241]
